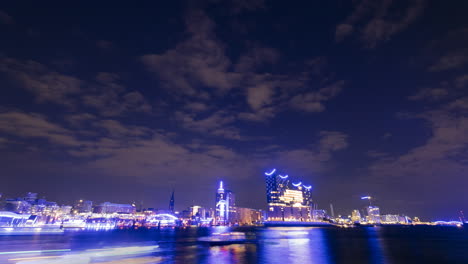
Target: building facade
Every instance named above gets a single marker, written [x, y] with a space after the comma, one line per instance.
[110, 208]
[225, 206]
[373, 214]
[248, 216]
[83, 207]
[287, 200]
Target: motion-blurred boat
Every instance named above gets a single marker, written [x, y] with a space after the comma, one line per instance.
[74, 223]
[225, 238]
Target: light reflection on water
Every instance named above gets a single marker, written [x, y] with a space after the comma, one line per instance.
[295, 245]
[268, 245]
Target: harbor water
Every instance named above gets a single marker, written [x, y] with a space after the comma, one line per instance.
[392, 244]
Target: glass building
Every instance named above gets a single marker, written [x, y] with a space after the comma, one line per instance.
[287, 200]
[225, 206]
[373, 214]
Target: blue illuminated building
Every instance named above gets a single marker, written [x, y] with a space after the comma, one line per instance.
[225, 206]
[287, 200]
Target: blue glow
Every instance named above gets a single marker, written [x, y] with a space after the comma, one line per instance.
[307, 187]
[366, 198]
[270, 173]
[34, 251]
[297, 184]
[221, 186]
[283, 177]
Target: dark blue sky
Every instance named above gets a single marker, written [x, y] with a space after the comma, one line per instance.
[119, 102]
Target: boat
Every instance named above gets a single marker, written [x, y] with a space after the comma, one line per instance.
[13, 231]
[228, 238]
[74, 223]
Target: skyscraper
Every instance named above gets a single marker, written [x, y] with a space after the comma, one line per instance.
[225, 206]
[287, 200]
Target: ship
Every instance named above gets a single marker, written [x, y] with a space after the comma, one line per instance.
[74, 223]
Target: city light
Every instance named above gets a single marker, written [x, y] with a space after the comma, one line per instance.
[297, 184]
[270, 173]
[221, 186]
[366, 198]
[283, 177]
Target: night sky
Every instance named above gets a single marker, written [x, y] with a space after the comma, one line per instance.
[125, 102]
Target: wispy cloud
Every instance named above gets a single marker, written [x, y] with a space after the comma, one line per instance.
[383, 23]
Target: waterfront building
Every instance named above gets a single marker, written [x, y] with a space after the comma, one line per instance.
[356, 216]
[30, 197]
[319, 215]
[83, 207]
[248, 216]
[197, 211]
[65, 209]
[394, 219]
[17, 205]
[373, 214]
[225, 206]
[110, 208]
[287, 200]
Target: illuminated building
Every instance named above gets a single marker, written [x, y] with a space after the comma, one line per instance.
[287, 200]
[373, 214]
[248, 216]
[17, 205]
[197, 211]
[30, 197]
[110, 208]
[356, 216]
[394, 219]
[225, 206]
[83, 207]
[319, 215]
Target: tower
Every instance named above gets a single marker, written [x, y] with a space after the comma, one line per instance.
[222, 205]
[171, 203]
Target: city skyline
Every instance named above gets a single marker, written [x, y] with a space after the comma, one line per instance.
[286, 200]
[126, 103]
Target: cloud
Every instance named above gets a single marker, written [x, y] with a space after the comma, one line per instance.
[30, 125]
[461, 81]
[452, 60]
[342, 31]
[197, 61]
[217, 124]
[106, 94]
[196, 106]
[110, 97]
[46, 84]
[259, 96]
[448, 52]
[383, 23]
[333, 141]
[104, 44]
[441, 159]
[316, 156]
[6, 18]
[256, 57]
[313, 101]
[239, 6]
[198, 68]
[433, 94]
